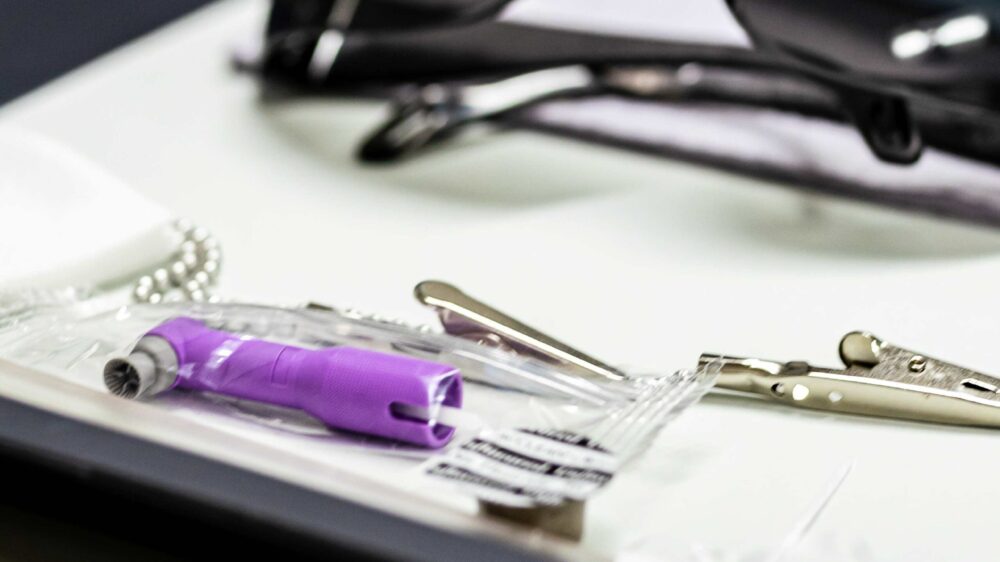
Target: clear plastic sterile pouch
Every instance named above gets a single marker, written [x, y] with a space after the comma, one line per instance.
[501, 426]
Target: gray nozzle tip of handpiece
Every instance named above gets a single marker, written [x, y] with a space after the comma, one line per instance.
[131, 376]
[150, 369]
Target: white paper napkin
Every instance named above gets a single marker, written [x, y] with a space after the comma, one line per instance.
[64, 221]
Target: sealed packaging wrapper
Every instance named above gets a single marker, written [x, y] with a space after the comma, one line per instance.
[574, 456]
[503, 427]
[542, 477]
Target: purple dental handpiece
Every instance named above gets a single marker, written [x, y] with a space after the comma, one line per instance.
[348, 388]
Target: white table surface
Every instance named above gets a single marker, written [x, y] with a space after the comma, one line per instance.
[638, 260]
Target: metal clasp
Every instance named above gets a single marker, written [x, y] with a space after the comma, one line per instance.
[466, 317]
[879, 379]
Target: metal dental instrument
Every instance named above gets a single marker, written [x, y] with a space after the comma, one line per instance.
[466, 317]
[879, 379]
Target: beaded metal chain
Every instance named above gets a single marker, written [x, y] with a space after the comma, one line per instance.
[190, 273]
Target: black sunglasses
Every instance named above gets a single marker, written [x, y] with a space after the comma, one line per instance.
[905, 73]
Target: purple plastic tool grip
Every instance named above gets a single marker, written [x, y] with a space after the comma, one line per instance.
[348, 388]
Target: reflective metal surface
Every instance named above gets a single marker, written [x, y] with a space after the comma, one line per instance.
[464, 316]
[879, 379]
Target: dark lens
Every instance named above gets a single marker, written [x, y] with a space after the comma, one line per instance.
[948, 49]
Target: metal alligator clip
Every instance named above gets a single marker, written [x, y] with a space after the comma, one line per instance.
[466, 317]
[880, 379]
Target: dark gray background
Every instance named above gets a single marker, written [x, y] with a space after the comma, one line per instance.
[41, 39]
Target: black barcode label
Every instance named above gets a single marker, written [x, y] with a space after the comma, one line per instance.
[522, 468]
